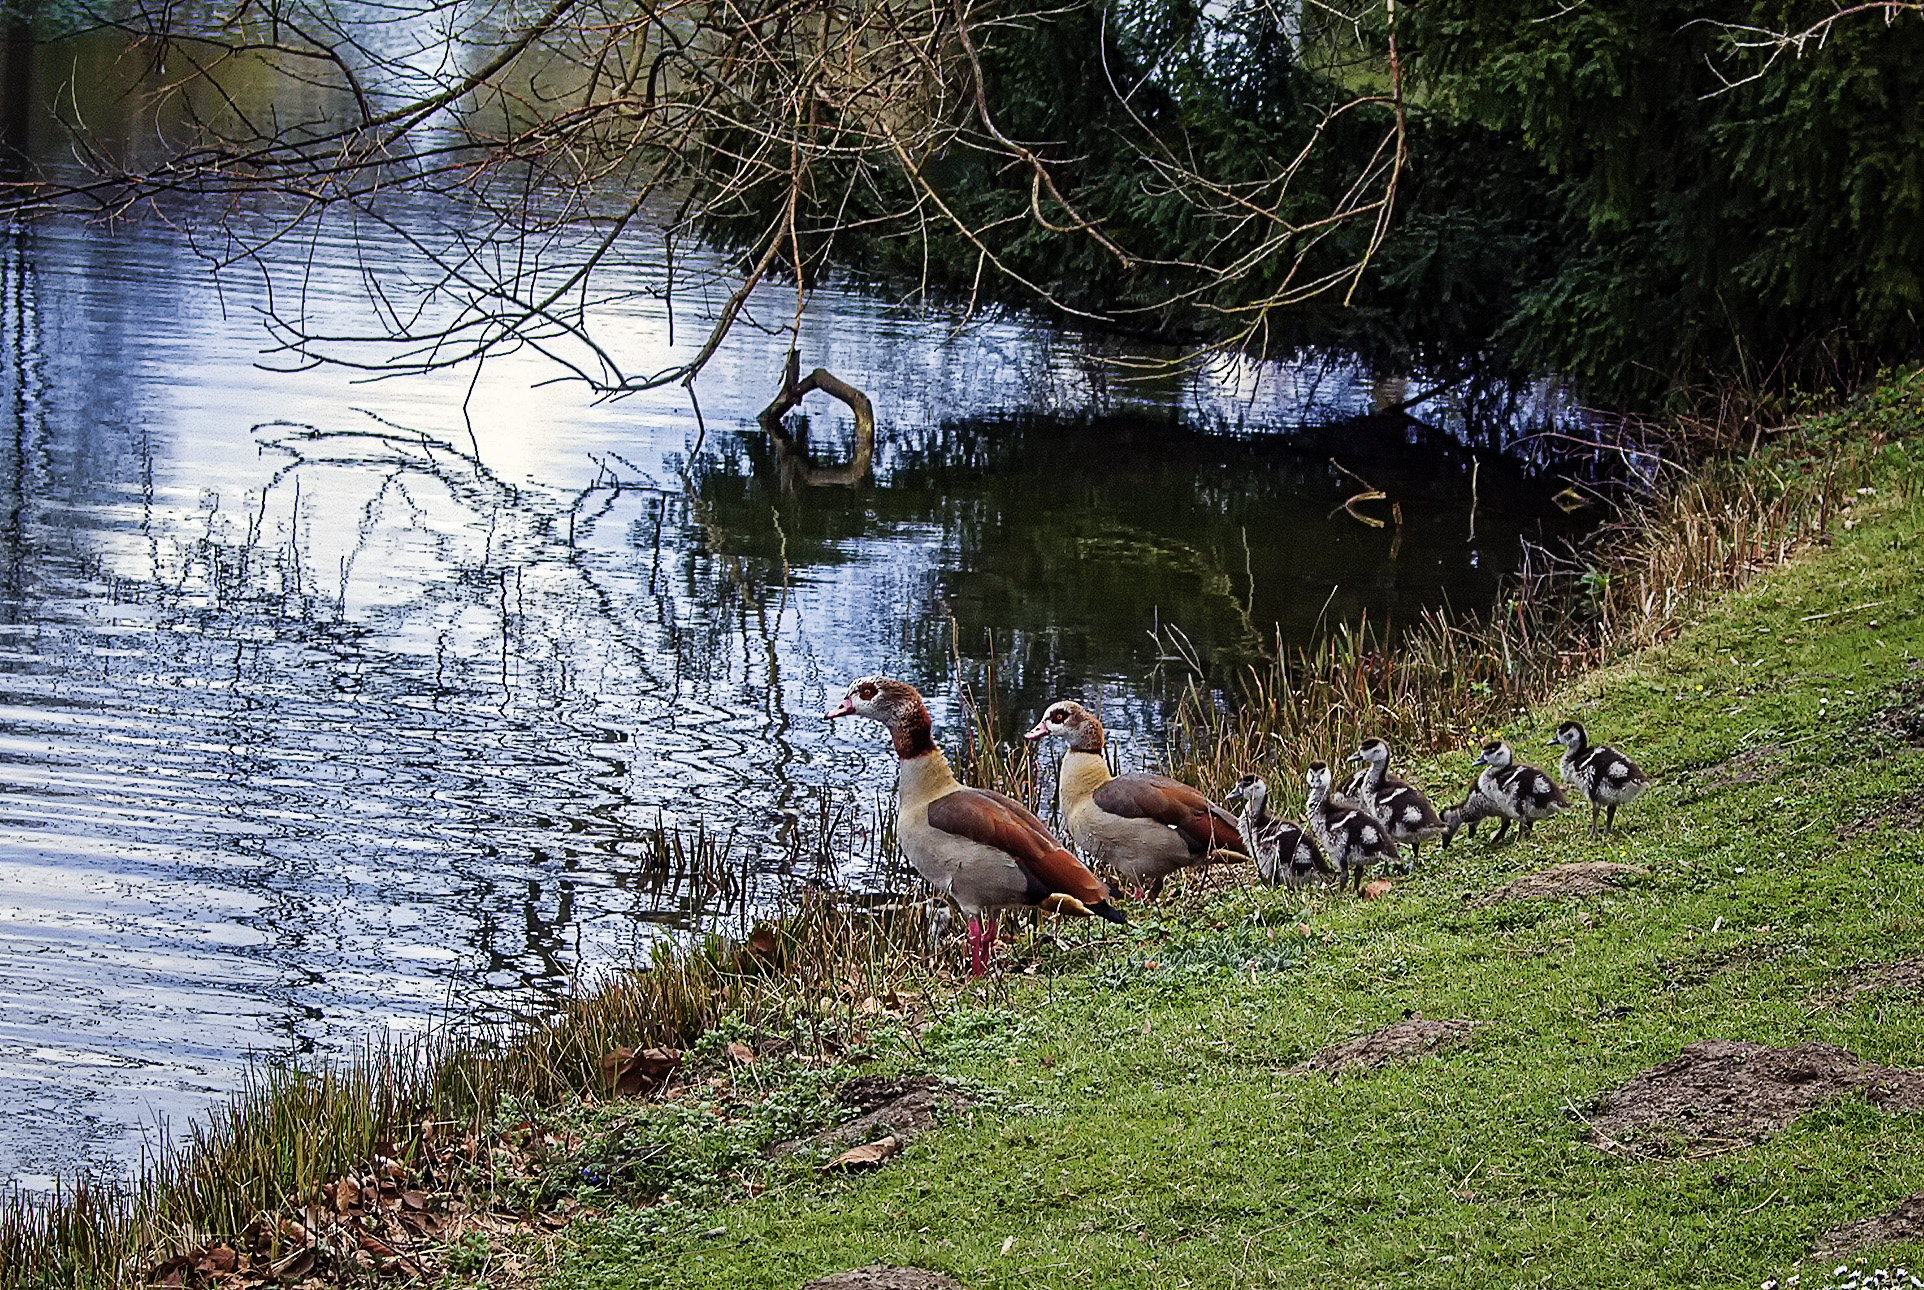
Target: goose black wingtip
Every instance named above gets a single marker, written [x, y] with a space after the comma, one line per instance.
[1109, 912]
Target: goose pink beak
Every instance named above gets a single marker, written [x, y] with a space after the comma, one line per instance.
[1041, 731]
[846, 708]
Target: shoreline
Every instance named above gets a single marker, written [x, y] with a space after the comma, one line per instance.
[834, 994]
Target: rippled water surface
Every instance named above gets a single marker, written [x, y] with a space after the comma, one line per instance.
[324, 707]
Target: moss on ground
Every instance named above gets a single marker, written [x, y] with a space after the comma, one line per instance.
[1150, 1132]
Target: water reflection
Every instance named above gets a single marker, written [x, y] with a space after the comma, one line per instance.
[326, 706]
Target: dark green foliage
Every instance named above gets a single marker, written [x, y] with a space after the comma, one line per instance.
[1768, 231]
[1609, 191]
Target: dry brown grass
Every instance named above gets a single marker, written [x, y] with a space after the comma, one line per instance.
[1704, 532]
[287, 1132]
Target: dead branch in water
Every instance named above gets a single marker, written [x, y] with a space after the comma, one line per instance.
[797, 467]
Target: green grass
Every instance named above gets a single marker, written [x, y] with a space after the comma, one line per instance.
[1149, 1132]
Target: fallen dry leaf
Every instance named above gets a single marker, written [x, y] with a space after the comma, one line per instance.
[630, 1073]
[217, 1259]
[740, 1053]
[1378, 889]
[865, 1157]
[345, 1193]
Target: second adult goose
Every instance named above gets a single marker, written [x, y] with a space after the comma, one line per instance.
[1285, 853]
[1519, 793]
[1145, 827]
[1351, 837]
[1605, 777]
[1400, 805]
[984, 851]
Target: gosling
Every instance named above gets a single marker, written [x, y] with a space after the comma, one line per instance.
[1521, 794]
[1350, 836]
[1606, 778]
[1467, 814]
[1285, 853]
[1400, 805]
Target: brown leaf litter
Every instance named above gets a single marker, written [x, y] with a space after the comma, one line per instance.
[373, 1224]
[881, 1276]
[1904, 1223]
[1411, 1038]
[892, 1109]
[1586, 878]
[1729, 1093]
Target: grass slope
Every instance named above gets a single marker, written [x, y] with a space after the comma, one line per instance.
[1148, 1132]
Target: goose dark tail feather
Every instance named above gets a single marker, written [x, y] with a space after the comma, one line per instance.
[1106, 910]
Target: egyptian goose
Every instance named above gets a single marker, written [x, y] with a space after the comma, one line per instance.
[1285, 853]
[1400, 805]
[1351, 837]
[1605, 777]
[982, 850]
[1145, 827]
[1519, 793]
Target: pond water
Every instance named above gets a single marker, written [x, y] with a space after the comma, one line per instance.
[326, 706]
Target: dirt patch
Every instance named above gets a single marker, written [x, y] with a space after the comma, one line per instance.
[901, 1109]
[1737, 1093]
[1587, 878]
[1903, 717]
[1892, 978]
[1410, 1038]
[1903, 813]
[880, 1276]
[1752, 766]
[1905, 1223]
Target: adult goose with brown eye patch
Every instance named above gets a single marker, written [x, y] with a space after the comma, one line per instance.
[1285, 853]
[1521, 794]
[1606, 778]
[984, 851]
[1351, 837]
[1145, 827]
[1402, 807]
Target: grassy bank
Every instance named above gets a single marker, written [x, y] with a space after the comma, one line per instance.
[1148, 1129]
[1134, 1120]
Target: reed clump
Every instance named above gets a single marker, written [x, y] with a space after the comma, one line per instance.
[1706, 530]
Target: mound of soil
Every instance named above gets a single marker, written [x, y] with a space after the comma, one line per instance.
[901, 1109]
[1905, 1223]
[1410, 1038]
[880, 1276]
[1587, 878]
[1735, 1092]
